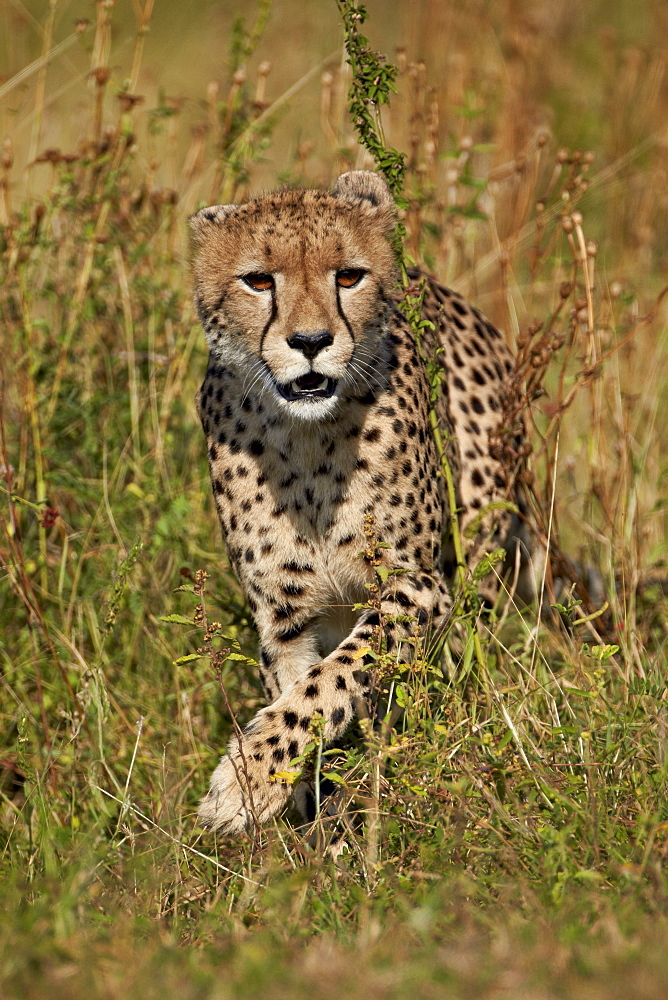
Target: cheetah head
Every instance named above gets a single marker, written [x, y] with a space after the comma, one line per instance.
[293, 290]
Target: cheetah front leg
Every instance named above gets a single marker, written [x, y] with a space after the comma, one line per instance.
[242, 790]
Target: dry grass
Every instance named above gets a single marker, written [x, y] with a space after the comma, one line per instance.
[510, 835]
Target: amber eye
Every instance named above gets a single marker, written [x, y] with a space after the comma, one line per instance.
[349, 277]
[260, 282]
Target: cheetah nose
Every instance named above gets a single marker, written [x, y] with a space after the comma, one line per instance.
[310, 344]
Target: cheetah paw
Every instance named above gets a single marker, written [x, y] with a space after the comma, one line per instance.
[228, 807]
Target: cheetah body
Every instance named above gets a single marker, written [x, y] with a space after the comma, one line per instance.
[315, 406]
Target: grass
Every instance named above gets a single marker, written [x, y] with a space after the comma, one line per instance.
[508, 834]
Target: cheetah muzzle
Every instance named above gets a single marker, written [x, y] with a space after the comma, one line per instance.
[315, 407]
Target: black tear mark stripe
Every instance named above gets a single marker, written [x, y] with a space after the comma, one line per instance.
[272, 318]
[343, 316]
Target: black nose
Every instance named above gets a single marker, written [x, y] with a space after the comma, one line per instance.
[310, 344]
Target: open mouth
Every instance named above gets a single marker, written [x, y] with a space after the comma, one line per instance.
[309, 386]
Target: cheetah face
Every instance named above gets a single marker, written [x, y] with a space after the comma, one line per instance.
[293, 291]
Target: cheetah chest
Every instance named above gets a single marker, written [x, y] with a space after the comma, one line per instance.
[291, 512]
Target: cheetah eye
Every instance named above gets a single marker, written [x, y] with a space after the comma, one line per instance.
[260, 282]
[349, 277]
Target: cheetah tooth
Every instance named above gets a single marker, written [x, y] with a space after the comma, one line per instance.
[297, 388]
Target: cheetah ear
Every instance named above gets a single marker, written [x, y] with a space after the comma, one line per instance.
[362, 186]
[207, 219]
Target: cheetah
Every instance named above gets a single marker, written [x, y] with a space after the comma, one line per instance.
[315, 406]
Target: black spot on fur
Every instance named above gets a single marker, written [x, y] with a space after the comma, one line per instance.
[346, 540]
[338, 715]
[295, 567]
[291, 633]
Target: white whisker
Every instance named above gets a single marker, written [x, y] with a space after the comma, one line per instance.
[257, 373]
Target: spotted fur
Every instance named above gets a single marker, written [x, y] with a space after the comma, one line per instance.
[315, 407]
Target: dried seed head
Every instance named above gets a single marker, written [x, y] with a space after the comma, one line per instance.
[101, 75]
[305, 149]
[50, 156]
[129, 101]
[7, 155]
[199, 130]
